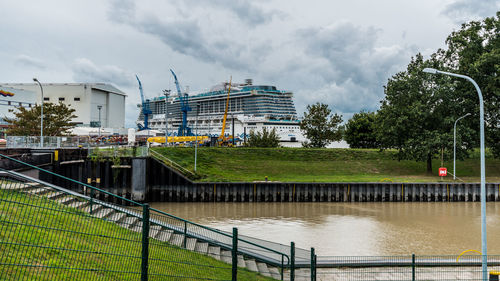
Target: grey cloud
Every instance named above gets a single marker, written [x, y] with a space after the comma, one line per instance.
[186, 36]
[465, 10]
[346, 47]
[353, 68]
[30, 61]
[85, 70]
[121, 11]
[183, 36]
[247, 11]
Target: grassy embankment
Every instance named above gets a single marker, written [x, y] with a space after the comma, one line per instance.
[87, 248]
[320, 165]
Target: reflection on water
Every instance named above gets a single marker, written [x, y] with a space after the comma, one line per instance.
[354, 228]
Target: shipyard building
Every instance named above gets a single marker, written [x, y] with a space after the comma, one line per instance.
[92, 101]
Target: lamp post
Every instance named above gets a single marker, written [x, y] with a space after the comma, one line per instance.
[99, 107]
[484, 250]
[196, 136]
[455, 142]
[166, 93]
[41, 114]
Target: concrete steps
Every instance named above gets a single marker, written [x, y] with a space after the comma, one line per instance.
[214, 252]
[155, 232]
[226, 256]
[201, 248]
[263, 269]
[191, 243]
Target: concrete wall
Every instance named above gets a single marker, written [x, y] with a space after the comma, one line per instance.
[116, 111]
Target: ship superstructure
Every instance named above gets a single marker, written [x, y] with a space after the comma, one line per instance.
[250, 107]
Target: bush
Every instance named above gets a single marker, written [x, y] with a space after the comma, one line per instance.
[264, 139]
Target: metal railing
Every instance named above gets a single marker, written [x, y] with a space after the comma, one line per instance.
[172, 164]
[48, 232]
[429, 268]
[63, 141]
[118, 151]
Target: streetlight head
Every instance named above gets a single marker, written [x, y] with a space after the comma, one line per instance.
[430, 70]
[34, 79]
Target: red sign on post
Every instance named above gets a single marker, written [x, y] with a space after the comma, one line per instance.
[442, 172]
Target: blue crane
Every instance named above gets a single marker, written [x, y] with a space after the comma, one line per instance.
[184, 130]
[146, 111]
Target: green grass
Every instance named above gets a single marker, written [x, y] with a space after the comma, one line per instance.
[319, 165]
[43, 240]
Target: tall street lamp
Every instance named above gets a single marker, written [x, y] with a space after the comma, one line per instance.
[196, 137]
[483, 176]
[166, 93]
[41, 114]
[455, 143]
[99, 107]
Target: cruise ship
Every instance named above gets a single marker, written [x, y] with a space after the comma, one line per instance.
[251, 108]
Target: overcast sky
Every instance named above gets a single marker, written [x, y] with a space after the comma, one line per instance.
[336, 52]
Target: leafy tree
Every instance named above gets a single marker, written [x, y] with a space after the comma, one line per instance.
[474, 50]
[418, 112]
[360, 131]
[264, 139]
[320, 127]
[56, 120]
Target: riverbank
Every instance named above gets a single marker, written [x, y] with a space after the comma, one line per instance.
[320, 165]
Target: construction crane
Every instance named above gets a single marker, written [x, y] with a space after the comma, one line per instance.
[184, 130]
[222, 140]
[146, 111]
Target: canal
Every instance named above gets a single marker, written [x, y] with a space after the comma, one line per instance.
[336, 229]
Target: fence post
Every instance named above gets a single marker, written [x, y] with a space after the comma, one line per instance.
[185, 233]
[282, 266]
[413, 267]
[145, 242]
[91, 199]
[313, 265]
[234, 254]
[292, 261]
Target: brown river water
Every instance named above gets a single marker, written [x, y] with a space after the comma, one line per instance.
[366, 229]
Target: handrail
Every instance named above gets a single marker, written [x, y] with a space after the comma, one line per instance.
[173, 164]
[71, 180]
[222, 233]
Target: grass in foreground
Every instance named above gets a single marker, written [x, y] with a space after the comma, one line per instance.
[320, 165]
[43, 240]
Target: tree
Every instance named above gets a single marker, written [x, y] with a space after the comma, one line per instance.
[56, 120]
[418, 112]
[264, 139]
[360, 131]
[320, 127]
[474, 50]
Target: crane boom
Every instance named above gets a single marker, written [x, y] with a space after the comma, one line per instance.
[184, 130]
[225, 111]
[176, 83]
[145, 107]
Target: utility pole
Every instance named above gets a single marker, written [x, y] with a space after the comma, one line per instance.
[41, 115]
[99, 107]
[166, 93]
[196, 137]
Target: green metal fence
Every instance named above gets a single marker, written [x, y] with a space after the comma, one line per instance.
[428, 268]
[51, 233]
